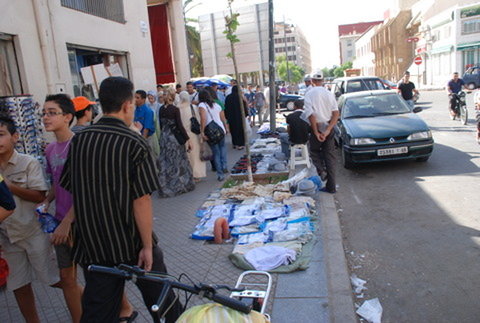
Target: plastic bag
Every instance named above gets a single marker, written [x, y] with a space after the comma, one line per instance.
[248, 128]
[205, 152]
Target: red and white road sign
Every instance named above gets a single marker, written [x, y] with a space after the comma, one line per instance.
[418, 60]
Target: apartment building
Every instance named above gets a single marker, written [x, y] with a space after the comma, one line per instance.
[291, 42]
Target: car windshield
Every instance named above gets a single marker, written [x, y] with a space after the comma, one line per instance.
[374, 105]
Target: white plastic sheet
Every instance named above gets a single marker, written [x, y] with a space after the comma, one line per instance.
[371, 310]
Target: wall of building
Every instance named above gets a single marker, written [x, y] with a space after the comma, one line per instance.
[252, 50]
[54, 26]
[298, 48]
[364, 55]
[393, 54]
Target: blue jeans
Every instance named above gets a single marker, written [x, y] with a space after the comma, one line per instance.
[410, 103]
[219, 156]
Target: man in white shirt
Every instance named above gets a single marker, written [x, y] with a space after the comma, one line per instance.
[322, 111]
[193, 93]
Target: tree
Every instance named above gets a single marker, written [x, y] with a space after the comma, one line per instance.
[295, 72]
[231, 25]
[338, 72]
[193, 41]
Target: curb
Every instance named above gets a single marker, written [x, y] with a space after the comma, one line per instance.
[339, 289]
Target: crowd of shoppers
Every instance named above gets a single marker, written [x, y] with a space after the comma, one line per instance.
[102, 171]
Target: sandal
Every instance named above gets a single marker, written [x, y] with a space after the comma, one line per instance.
[130, 318]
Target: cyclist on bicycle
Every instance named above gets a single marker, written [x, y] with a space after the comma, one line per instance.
[454, 86]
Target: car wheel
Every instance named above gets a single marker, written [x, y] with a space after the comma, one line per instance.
[471, 86]
[346, 160]
[422, 159]
[290, 106]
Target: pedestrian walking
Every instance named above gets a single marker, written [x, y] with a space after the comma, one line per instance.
[154, 105]
[259, 104]
[407, 89]
[84, 109]
[174, 170]
[26, 247]
[59, 113]
[210, 111]
[187, 111]
[111, 175]
[143, 115]
[322, 111]
[236, 122]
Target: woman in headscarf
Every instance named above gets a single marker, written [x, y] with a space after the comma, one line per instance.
[155, 106]
[175, 173]
[187, 111]
[235, 119]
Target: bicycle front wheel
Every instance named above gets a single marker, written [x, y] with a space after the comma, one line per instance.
[464, 114]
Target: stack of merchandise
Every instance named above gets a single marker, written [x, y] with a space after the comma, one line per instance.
[266, 220]
[267, 158]
[27, 116]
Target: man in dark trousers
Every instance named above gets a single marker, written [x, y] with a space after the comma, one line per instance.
[111, 174]
[322, 111]
[406, 89]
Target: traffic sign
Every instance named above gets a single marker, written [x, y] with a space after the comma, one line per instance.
[418, 60]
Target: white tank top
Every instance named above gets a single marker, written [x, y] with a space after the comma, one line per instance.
[213, 113]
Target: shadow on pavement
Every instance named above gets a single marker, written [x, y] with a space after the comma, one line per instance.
[415, 241]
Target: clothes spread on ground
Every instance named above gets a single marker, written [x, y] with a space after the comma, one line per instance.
[406, 89]
[270, 257]
[299, 130]
[174, 170]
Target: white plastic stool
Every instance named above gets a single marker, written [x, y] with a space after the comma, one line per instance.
[303, 159]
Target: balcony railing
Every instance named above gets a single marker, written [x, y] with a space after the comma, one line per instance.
[108, 9]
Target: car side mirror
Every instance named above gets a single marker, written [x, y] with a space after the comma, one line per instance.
[417, 109]
[338, 94]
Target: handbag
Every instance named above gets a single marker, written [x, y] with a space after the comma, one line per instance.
[181, 139]
[194, 124]
[205, 152]
[213, 131]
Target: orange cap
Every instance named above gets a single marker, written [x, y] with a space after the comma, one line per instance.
[81, 103]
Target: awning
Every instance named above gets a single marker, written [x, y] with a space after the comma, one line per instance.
[466, 46]
[442, 49]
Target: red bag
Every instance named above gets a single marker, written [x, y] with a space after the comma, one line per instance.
[3, 272]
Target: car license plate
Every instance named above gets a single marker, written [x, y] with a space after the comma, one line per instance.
[392, 151]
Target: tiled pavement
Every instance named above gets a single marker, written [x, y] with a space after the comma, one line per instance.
[296, 297]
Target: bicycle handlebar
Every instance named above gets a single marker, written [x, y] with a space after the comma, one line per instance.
[129, 272]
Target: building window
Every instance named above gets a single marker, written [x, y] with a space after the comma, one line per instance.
[292, 57]
[111, 9]
[10, 83]
[349, 53]
[471, 26]
[87, 70]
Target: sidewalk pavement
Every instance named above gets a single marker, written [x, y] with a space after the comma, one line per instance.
[322, 293]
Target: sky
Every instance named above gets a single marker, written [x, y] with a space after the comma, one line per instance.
[319, 20]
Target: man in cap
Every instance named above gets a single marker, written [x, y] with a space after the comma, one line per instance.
[84, 109]
[322, 111]
[308, 83]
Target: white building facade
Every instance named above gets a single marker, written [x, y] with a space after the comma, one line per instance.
[365, 58]
[449, 41]
[44, 44]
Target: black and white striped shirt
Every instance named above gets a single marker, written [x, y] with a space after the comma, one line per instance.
[108, 167]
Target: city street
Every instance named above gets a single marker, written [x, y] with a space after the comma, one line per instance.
[412, 229]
